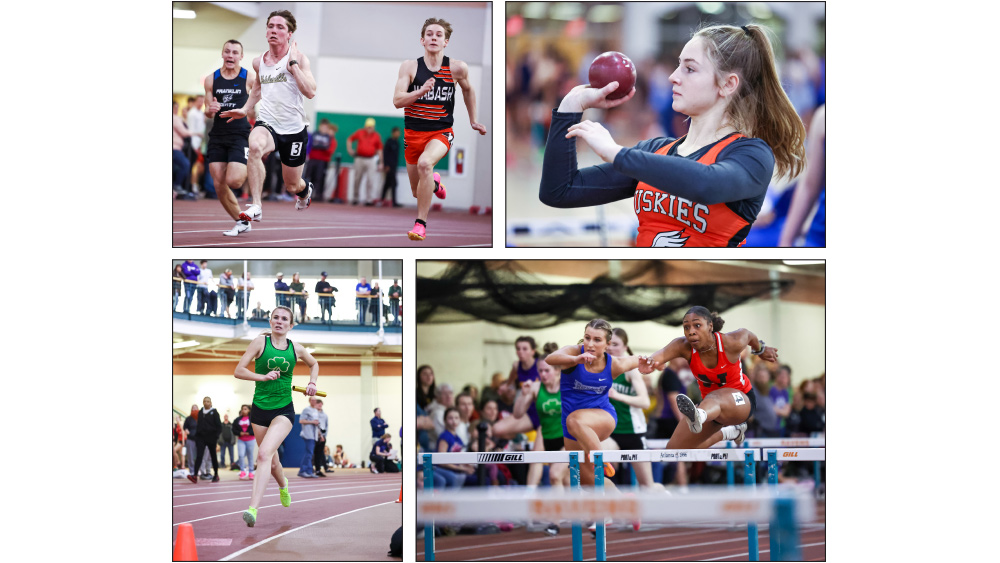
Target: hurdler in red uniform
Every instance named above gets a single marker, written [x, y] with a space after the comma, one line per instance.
[728, 400]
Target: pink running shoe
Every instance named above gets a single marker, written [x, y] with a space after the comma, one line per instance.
[250, 476]
[439, 187]
[418, 232]
[243, 475]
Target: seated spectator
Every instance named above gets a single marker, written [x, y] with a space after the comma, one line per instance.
[467, 411]
[444, 398]
[426, 391]
[780, 397]
[380, 454]
[456, 474]
[340, 458]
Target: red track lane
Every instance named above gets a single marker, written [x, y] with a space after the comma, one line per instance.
[200, 224]
[215, 512]
[663, 544]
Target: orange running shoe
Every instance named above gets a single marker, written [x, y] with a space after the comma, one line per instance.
[609, 471]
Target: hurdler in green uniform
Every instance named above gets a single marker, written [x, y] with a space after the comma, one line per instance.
[631, 420]
[549, 406]
[276, 393]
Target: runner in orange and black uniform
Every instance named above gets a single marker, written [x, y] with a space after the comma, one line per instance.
[706, 188]
[728, 400]
[426, 88]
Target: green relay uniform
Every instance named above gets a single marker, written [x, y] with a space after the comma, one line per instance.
[277, 393]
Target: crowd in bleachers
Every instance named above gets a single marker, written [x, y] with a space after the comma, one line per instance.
[195, 286]
[450, 420]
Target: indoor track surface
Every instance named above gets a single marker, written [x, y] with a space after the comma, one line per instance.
[349, 515]
[200, 224]
[654, 542]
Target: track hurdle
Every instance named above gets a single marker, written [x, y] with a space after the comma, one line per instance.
[784, 508]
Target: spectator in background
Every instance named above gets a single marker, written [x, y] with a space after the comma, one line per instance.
[178, 442]
[244, 443]
[362, 291]
[319, 456]
[443, 400]
[466, 406]
[209, 428]
[309, 420]
[395, 292]
[810, 191]
[378, 426]
[808, 418]
[300, 298]
[322, 145]
[425, 386]
[380, 453]
[190, 428]
[178, 280]
[326, 299]
[779, 396]
[473, 392]
[505, 400]
[196, 124]
[375, 303]
[491, 391]
[226, 443]
[340, 458]
[765, 422]
[390, 164]
[365, 161]
[424, 428]
[456, 474]
[282, 298]
[244, 285]
[226, 292]
[181, 163]
[259, 313]
[204, 287]
[191, 272]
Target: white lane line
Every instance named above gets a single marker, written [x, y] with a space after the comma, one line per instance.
[260, 543]
[235, 243]
[247, 496]
[274, 489]
[394, 490]
[564, 528]
[747, 554]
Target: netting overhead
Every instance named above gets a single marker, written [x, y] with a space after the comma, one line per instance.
[508, 295]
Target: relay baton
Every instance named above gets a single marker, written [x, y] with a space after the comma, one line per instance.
[303, 390]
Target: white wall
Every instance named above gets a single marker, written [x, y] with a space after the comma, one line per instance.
[464, 353]
[347, 408]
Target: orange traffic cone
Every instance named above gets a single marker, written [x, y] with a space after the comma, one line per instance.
[400, 494]
[184, 548]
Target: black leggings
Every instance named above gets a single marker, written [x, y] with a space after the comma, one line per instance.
[201, 443]
[319, 458]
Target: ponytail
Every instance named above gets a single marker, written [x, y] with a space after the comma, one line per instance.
[760, 107]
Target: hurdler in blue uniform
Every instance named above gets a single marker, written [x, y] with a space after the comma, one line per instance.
[587, 373]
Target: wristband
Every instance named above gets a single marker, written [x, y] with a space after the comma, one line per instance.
[759, 352]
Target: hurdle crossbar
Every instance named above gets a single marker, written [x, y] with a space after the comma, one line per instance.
[707, 504]
[609, 455]
[677, 455]
[798, 454]
[817, 442]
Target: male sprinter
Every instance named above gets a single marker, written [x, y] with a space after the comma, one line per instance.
[228, 148]
[282, 79]
[426, 88]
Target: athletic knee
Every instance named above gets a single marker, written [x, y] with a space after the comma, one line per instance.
[425, 165]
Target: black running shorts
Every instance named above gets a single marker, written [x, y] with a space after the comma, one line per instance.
[263, 417]
[291, 148]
